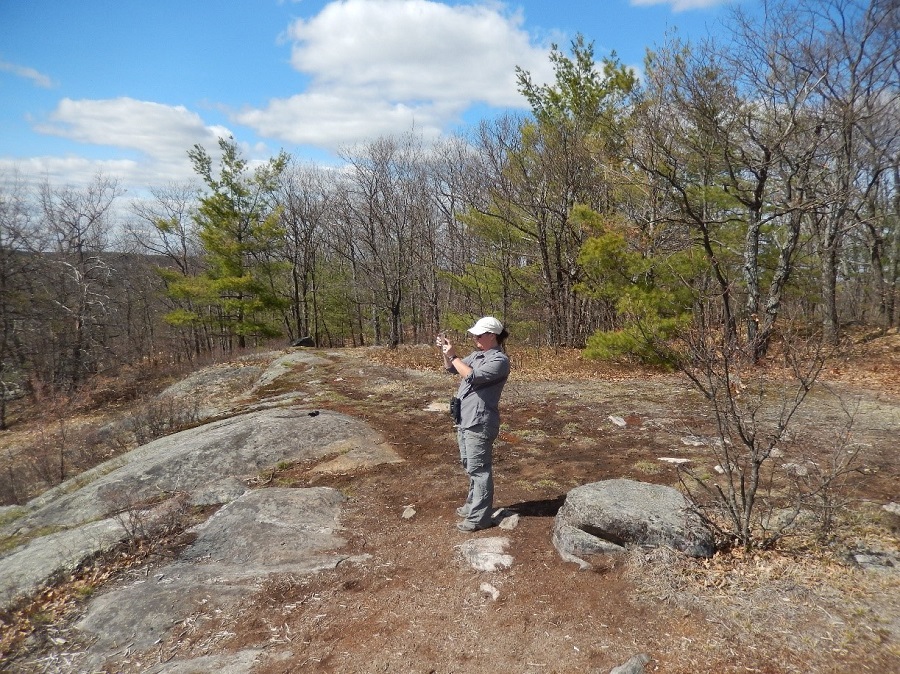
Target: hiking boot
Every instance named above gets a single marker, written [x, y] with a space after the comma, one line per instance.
[469, 527]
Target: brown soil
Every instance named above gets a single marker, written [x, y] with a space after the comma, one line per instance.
[415, 606]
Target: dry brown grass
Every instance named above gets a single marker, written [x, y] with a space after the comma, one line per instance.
[528, 363]
[785, 603]
[799, 606]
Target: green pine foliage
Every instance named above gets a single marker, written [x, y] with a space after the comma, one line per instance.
[503, 280]
[652, 294]
[238, 295]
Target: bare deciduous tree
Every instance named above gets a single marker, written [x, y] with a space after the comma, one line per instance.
[16, 272]
[849, 49]
[77, 225]
[163, 226]
[383, 212]
[755, 420]
[306, 197]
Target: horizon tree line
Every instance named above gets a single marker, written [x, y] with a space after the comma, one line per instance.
[749, 187]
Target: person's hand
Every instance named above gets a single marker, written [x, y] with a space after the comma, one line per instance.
[447, 348]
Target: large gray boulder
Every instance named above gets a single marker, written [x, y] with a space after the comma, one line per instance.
[605, 517]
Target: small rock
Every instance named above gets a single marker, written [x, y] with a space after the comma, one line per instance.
[893, 508]
[490, 591]
[874, 560]
[487, 554]
[693, 441]
[634, 666]
[795, 469]
[509, 523]
[672, 459]
[618, 421]
[408, 513]
[583, 564]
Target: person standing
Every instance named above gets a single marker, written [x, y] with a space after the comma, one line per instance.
[482, 374]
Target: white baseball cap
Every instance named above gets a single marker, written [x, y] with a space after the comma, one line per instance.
[487, 324]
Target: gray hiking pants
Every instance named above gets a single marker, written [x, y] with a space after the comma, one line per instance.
[476, 445]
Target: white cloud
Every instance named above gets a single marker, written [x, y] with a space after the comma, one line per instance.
[384, 66]
[329, 120]
[38, 78]
[73, 171]
[680, 5]
[157, 130]
[415, 49]
[375, 68]
[160, 134]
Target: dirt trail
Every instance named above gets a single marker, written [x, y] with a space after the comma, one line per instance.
[415, 606]
[418, 608]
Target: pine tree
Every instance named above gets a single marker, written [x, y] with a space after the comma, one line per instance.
[237, 223]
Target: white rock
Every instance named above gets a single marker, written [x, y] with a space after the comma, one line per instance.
[618, 421]
[583, 565]
[490, 591]
[675, 460]
[795, 469]
[892, 507]
[510, 522]
[408, 513]
[487, 554]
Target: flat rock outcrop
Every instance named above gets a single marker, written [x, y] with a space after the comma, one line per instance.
[265, 532]
[25, 570]
[210, 464]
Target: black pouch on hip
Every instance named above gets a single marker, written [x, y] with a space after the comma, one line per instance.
[456, 409]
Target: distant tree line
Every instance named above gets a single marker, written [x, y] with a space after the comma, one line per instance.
[745, 185]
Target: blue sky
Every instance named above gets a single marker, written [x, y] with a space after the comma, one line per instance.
[125, 88]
